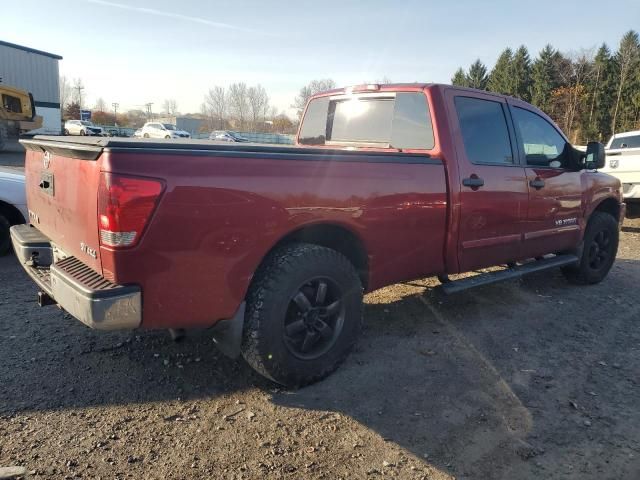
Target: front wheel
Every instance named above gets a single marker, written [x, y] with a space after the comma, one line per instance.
[598, 253]
[146, 135]
[167, 137]
[304, 314]
[82, 133]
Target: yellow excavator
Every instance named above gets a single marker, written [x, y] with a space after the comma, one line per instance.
[17, 114]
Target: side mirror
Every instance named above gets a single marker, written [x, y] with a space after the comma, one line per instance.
[594, 158]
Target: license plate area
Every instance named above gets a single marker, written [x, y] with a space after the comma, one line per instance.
[46, 183]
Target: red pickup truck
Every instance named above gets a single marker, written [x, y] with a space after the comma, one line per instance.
[273, 246]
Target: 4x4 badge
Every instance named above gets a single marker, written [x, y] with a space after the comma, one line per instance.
[46, 161]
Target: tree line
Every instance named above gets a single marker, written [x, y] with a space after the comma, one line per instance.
[590, 94]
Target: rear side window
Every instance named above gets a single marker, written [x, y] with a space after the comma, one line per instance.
[632, 141]
[399, 121]
[484, 131]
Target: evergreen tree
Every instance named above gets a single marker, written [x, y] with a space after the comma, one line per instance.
[521, 74]
[627, 64]
[460, 78]
[500, 79]
[477, 76]
[544, 78]
[601, 93]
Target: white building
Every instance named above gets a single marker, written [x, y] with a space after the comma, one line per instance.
[36, 72]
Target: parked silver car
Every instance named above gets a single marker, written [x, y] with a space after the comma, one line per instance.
[82, 127]
[162, 130]
[226, 136]
[13, 204]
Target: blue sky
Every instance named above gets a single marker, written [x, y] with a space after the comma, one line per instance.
[138, 51]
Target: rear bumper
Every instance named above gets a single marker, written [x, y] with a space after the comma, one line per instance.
[89, 297]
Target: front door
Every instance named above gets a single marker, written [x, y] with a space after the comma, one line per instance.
[493, 186]
[555, 213]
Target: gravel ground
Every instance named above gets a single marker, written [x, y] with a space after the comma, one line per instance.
[527, 379]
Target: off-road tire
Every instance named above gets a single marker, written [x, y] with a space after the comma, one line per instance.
[276, 281]
[5, 237]
[584, 273]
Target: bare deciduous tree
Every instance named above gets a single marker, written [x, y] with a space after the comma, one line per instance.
[315, 86]
[215, 107]
[65, 92]
[170, 106]
[101, 105]
[258, 101]
[238, 103]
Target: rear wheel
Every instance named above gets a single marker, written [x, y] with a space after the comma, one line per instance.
[599, 251]
[167, 137]
[5, 239]
[304, 314]
[66, 132]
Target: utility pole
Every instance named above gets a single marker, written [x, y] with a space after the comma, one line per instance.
[79, 87]
[115, 115]
[149, 113]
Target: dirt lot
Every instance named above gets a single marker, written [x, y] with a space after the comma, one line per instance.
[530, 379]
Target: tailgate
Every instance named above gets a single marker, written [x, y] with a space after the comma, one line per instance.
[62, 194]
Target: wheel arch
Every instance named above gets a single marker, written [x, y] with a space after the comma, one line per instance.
[11, 213]
[608, 205]
[334, 236]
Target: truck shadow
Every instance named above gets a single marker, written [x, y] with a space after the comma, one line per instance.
[481, 383]
[469, 384]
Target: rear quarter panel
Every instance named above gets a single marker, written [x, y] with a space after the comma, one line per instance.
[219, 217]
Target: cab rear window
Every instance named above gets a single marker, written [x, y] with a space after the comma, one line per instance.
[631, 141]
[400, 120]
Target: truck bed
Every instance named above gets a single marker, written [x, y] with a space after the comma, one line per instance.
[225, 206]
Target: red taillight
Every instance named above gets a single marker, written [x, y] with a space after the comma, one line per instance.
[125, 205]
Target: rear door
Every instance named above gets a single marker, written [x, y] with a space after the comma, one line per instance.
[555, 211]
[493, 187]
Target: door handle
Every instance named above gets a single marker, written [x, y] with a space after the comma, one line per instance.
[473, 181]
[537, 183]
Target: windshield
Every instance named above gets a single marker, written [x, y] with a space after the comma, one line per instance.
[86, 123]
[169, 126]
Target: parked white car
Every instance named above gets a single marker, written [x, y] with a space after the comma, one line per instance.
[13, 204]
[162, 130]
[82, 127]
[623, 162]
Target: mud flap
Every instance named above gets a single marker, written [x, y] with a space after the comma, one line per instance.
[227, 334]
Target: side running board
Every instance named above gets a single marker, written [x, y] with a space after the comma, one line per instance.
[518, 271]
